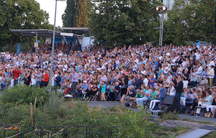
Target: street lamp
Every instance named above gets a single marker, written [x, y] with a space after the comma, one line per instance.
[54, 33]
[161, 10]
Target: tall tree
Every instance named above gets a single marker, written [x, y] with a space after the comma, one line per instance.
[19, 14]
[124, 22]
[191, 22]
[77, 13]
[71, 13]
[84, 13]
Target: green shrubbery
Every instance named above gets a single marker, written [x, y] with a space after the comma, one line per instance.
[55, 114]
[24, 95]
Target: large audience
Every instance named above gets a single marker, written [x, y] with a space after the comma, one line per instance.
[136, 74]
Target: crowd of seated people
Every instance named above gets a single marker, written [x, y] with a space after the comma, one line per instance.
[137, 74]
[200, 100]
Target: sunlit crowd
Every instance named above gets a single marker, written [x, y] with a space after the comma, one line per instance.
[136, 74]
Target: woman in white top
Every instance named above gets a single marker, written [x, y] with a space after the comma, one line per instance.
[206, 102]
[33, 80]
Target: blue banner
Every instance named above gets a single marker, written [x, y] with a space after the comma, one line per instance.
[198, 44]
[18, 48]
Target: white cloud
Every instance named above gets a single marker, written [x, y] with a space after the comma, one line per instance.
[49, 7]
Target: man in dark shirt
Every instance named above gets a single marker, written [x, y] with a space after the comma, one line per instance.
[58, 80]
[138, 82]
[178, 84]
[117, 91]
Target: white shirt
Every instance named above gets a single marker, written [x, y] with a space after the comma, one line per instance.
[197, 56]
[211, 72]
[209, 100]
[172, 91]
[104, 78]
[145, 81]
[212, 63]
[33, 81]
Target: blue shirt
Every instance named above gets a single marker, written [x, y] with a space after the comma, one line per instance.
[163, 92]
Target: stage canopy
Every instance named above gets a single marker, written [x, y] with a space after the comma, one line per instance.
[70, 39]
[36, 32]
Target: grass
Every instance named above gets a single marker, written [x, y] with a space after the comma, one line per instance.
[169, 116]
[172, 132]
[200, 122]
[211, 135]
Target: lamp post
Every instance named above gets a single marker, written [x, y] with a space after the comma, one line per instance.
[53, 40]
[161, 10]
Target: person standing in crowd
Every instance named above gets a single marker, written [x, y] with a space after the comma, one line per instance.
[179, 90]
[38, 77]
[2, 81]
[163, 92]
[75, 76]
[33, 79]
[45, 79]
[103, 88]
[58, 80]
[27, 78]
[16, 74]
[211, 74]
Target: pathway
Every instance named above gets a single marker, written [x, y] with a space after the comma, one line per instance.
[196, 133]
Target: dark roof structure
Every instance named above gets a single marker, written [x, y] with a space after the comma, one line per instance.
[34, 32]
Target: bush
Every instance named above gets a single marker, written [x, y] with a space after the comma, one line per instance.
[24, 95]
[78, 119]
[13, 115]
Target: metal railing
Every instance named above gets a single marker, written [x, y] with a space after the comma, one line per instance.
[69, 131]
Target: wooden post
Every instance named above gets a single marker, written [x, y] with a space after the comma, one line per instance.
[31, 114]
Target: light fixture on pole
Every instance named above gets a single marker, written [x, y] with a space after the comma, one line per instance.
[161, 10]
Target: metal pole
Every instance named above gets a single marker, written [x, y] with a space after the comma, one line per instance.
[36, 37]
[53, 42]
[161, 29]
[36, 42]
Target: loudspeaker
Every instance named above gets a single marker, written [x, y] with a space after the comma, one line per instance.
[169, 100]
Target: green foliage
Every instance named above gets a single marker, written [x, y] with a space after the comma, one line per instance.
[84, 13]
[124, 22]
[11, 114]
[71, 12]
[56, 113]
[191, 22]
[211, 135]
[19, 14]
[76, 13]
[24, 95]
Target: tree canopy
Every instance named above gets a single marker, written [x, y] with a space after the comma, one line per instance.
[20, 14]
[71, 12]
[191, 22]
[124, 22]
[77, 13]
